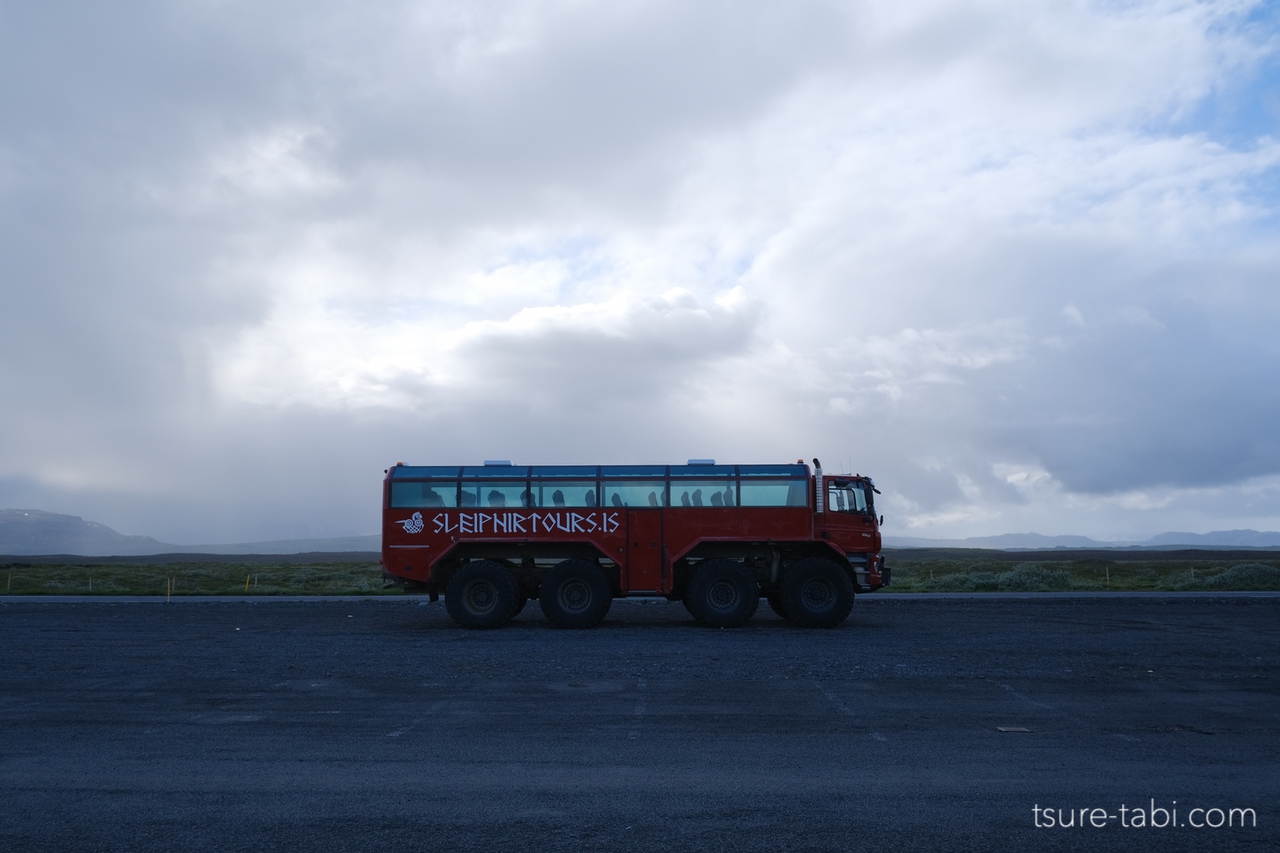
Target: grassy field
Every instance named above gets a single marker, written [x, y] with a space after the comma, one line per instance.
[914, 570]
[960, 570]
[194, 578]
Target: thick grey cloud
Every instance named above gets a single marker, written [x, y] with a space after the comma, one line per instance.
[1015, 261]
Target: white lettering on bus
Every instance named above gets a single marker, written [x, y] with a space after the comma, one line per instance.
[513, 522]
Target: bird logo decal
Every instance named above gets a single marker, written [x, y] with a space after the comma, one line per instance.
[412, 524]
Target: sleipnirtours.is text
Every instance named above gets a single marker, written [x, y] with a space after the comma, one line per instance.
[717, 537]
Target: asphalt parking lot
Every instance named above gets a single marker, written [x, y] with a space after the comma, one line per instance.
[363, 725]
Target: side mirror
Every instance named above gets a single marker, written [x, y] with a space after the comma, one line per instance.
[882, 521]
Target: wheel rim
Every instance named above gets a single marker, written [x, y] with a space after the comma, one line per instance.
[481, 597]
[722, 595]
[817, 594]
[575, 595]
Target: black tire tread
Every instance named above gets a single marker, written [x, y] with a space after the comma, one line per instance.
[802, 572]
[504, 583]
[593, 576]
[698, 587]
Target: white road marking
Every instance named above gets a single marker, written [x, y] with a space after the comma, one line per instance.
[835, 700]
[400, 732]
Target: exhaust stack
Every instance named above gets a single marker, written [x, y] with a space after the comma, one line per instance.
[820, 498]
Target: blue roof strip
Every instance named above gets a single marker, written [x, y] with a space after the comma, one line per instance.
[703, 470]
[773, 470]
[419, 472]
[633, 471]
[590, 472]
[581, 472]
[496, 471]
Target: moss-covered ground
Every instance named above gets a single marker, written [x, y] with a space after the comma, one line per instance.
[914, 570]
[957, 570]
[193, 578]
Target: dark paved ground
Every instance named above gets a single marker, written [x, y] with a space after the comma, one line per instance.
[336, 726]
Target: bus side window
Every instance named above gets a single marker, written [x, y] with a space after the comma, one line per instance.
[564, 494]
[769, 493]
[694, 493]
[634, 493]
[411, 494]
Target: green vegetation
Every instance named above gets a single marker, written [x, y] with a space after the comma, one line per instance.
[193, 578]
[989, 571]
[936, 570]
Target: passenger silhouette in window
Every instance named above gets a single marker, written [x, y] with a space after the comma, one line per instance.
[526, 498]
[684, 499]
[728, 496]
[430, 497]
[557, 498]
[717, 499]
[591, 497]
[653, 499]
[497, 498]
[617, 501]
[468, 499]
[697, 497]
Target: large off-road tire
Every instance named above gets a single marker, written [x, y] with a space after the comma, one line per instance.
[722, 594]
[575, 594]
[481, 595]
[816, 593]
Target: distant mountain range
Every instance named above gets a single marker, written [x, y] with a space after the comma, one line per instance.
[32, 532]
[1037, 542]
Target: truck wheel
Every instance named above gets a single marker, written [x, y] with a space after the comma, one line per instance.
[481, 595]
[722, 594]
[816, 593]
[575, 594]
[775, 601]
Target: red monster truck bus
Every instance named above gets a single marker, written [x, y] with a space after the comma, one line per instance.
[575, 537]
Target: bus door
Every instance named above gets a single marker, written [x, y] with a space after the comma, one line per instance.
[644, 550]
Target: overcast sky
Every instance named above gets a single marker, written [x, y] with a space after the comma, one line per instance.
[1019, 261]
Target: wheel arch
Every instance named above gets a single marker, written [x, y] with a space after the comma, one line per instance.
[529, 561]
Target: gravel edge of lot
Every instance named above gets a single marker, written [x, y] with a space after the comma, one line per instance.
[422, 601]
